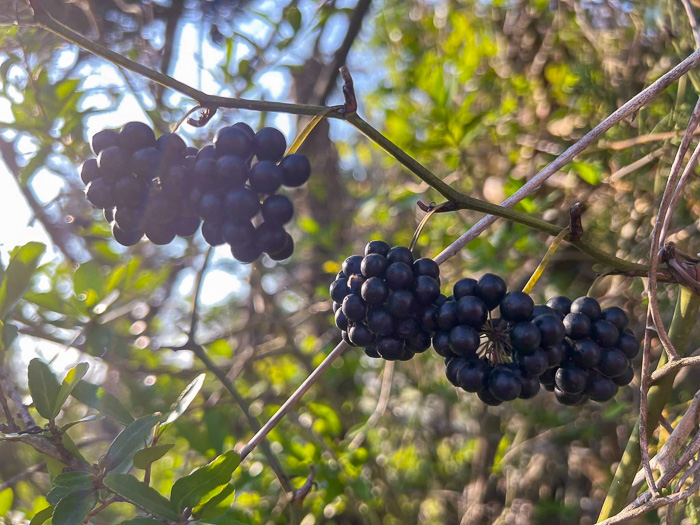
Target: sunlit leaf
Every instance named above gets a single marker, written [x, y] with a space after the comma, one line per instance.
[18, 275]
[202, 483]
[131, 489]
[129, 440]
[144, 457]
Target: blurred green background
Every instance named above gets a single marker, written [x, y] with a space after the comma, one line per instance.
[484, 93]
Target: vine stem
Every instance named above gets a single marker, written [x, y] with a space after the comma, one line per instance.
[545, 261]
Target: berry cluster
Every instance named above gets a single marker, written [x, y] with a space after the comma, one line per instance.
[597, 350]
[380, 300]
[498, 358]
[162, 188]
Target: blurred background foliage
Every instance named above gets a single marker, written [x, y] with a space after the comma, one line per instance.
[483, 93]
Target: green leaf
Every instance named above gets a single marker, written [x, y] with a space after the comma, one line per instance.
[129, 440]
[6, 497]
[68, 483]
[101, 400]
[8, 334]
[184, 400]
[141, 521]
[43, 386]
[218, 505]
[85, 419]
[137, 492]
[197, 487]
[146, 456]
[587, 172]
[41, 516]
[74, 375]
[89, 281]
[15, 284]
[73, 509]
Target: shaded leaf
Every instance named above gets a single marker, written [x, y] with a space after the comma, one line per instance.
[73, 509]
[146, 456]
[67, 483]
[141, 521]
[218, 505]
[43, 386]
[18, 275]
[6, 497]
[86, 419]
[184, 399]
[129, 440]
[74, 375]
[137, 492]
[42, 516]
[98, 398]
[197, 487]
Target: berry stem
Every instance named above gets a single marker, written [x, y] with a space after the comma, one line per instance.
[432, 210]
[304, 133]
[545, 260]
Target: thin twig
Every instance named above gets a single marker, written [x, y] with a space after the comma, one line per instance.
[382, 403]
[689, 168]
[627, 109]
[643, 411]
[674, 366]
[693, 22]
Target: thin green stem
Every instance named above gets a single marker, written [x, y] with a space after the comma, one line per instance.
[44, 20]
[684, 319]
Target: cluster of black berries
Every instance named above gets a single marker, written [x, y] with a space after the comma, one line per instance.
[596, 352]
[380, 301]
[498, 358]
[162, 188]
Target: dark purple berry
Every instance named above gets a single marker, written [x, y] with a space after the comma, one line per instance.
[286, 251]
[246, 253]
[529, 386]
[426, 289]
[628, 345]
[570, 378]
[600, 388]
[233, 141]
[89, 171]
[103, 140]
[390, 348]
[441, 344]
[464, 340]
[374, 291]
[491, 289]
[296, 170]
[399, 276]
[114, 163]
[160, 234]
[587, 306]
[136, 135]
[472, 377]
[517, 306]
[231, 172]
[585, 353]
[379, 247]
[277, 209]
[339, 289]
[374, 265]
[172, 147]
[560, 303]
[270, 237]
[400, 303]
[503, 384]
[340, 320]
[241, 205]
[269, 144]
[406, 328]
[380, 321]
[555, 354]
[129, 219]
[265, 177]
[569, 399]
[400, 254]
[353, 265]
[446, 317]
[419, 343]
[525, 337]
[360, 335]
[464, 287]
[453, 367]
[488, 398]
[427, 318]
[126, 238]
[604, 333]
[100, 193]
[612, 362]
[354, 308]
[212, 233]
[238, 233]
[186, 225]
[471, 311]
[541, 309]
[534, 364]
[426, 266]
[617, 317]
[551, 329]
[577, 325]
[625, 378]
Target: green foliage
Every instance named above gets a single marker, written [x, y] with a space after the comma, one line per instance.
[130, 488]
[129, 441]
[205, 482]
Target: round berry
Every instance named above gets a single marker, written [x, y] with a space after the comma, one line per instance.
[488, 398]
[426, 318]
[186, 225]
[585, 353]
[126, 237]
[265, 177]
[587, 306]
[286, 251]
[353, 265]
[472, 311]
[569, 399]
[207, 152]
[401, 303]
[534, 364]
[551, 329]
[269, 144]
[277, 209]
[472, 377]
[270, 237]
[211, 207]
[560, 303]
[360, 335]
[555, 354]
[399, 276]
[103, 140]
[245, 128]
[600, 388]
[625, 378]
[426, 289]
[380, 321]
[464, 287]
[612, 362]
[406, 328]
[375, 291]
[100, 193]
[238, 233]
[419, 343]
[113, 163]
[354, 308]
[541, 309]
[547, 379]
[241, 205]
[205, 175]
[517, 306]
[355, 282]
[604, 332]
[171, 146]
[464, 340]
[525, 337]
[160, 234]
[379, 247]
[529, 386]
[390, 348]
[400, 254]
[339, 289]
[577, 325]
[453, 367]
[371, 351]
[130, 191]
[89, 171]
[246, 253]
[212, 233]
[129, 219]
[427, 267]
[340, 320]
[491, 289]
[446, 317]
[296, 170]
[373, 265]
[570, 378]
[136, 135]
[109, 214]
[503, 383]
[617, 317]
[441, 344]
[346, 338]
[231, 172]
[233, 141]
[628, 345]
